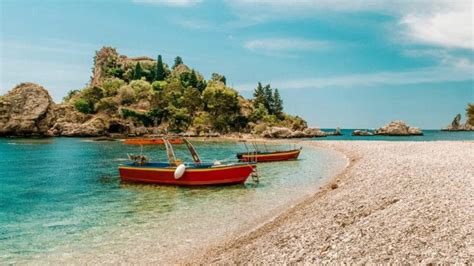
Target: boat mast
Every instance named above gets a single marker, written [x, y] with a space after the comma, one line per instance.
[169, 152]
[192, 150]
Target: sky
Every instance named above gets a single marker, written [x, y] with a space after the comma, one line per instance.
[349, 64]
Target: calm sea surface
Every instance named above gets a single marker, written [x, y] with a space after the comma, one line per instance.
[61, 199]
[429, 135]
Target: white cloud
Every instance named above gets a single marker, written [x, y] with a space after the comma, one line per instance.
[459, 72]
[174, 3]
[442, 23]
[449, 29]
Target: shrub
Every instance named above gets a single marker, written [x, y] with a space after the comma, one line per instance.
[106, 105]
[111, 86]
[159, 85]
[126, 95]
[142, 89]
[83, 106]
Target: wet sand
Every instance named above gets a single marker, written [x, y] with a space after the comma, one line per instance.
[397, 202]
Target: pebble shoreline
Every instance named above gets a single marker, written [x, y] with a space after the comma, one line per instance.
[397, 202]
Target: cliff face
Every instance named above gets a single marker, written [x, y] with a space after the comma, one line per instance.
[24, 110]
[28, 110]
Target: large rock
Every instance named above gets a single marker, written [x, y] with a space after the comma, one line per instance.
[94, 127]
[314, 132]
[456, 125]
[23, 109]
[398, 128]
[277, 132]
[359, 132]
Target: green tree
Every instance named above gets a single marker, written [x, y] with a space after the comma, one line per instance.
[137, 73]
[160, 70]
[179, 118]
[177, 61]
[268, 94]
[192, 100]
[218, 77]
[470, 114]
[277, 104]
[259, 96]
[258, 113]
[222, 104]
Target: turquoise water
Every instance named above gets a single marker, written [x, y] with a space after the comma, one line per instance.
[61, 200]
[429, 135]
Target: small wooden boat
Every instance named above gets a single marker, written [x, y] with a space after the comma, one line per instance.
[174, 172]
[268, 156]
[274, 156]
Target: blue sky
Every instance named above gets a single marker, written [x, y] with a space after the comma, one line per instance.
[353, 64]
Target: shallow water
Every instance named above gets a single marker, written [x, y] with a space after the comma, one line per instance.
[61, 200]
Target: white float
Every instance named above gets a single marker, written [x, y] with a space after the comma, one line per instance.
[179, 172]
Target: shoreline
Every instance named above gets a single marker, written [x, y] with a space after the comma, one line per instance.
[278, 241]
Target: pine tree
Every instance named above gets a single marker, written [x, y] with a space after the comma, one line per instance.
[259, 96]
[277, 104]
[177, 61]
[137, 73]
[268, 94]
[193, 82]
[160, 70]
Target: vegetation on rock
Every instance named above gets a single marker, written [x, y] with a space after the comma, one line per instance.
[146, 93]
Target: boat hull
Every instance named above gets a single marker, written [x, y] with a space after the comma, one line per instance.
[220, 175]
[269, 156]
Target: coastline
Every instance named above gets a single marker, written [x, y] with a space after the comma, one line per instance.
[395, 202]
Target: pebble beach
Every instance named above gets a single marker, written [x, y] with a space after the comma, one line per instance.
[396, 202]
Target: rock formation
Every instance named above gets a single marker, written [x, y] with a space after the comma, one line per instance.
[284, 132]
[23, 110]
[394, 128]
[28, 110]
[359, 132]
[456, 125]
[398, 128]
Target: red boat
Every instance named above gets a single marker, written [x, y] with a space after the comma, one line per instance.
[175, 172]
[269, 156]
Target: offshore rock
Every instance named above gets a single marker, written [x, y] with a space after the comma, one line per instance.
[23, 109]
[359, 132]
[314, 132]
[398, 128]
[457, 126]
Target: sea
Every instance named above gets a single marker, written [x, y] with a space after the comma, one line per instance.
[428, 135]
[62, 201]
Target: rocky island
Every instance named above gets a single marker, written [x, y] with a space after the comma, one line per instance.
[141, 96]
[456, 125]
[394, 128]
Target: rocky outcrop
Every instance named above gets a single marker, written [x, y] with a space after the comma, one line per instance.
[28, 110]
[456, 125]
[284, 132]
[359, 132]
[398, 128]
[23, 110]
[394, 128]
